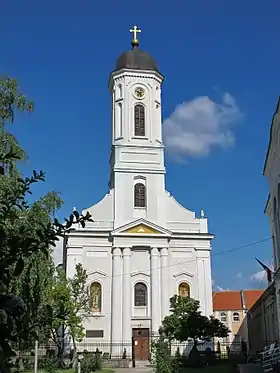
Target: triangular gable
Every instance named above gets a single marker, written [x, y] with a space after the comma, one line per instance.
[97, 272]
[142, 227]
[183, 273]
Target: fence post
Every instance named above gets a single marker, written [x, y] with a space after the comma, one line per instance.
[36, 358]
[133, 352]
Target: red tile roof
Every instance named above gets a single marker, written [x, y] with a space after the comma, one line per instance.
[251, 296]
[232, 300]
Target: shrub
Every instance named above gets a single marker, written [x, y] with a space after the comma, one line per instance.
[210, 357]
[162, 357]
[50, 365]
[97, 360]
[91, 362]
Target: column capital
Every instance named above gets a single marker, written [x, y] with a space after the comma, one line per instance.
[164, 251]
[117, 251]
[127, 251]
[154, 251]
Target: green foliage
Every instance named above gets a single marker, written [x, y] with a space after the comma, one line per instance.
[162, 359]
[91, 362]
[186, 321]
[11, 100]
[69, 302]
[26, 234]
[50, 364]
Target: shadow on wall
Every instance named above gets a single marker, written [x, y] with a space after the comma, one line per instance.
[262, 321]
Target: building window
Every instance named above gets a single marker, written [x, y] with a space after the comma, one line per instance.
[96, 296]
[223, 316]
[235, 317]
[140, 295]
[139, 195]
[184, 289]
[94, 333]
[139, 120]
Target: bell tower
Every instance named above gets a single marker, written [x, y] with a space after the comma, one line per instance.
[137, 156]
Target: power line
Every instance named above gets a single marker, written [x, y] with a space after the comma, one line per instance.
[196, 259]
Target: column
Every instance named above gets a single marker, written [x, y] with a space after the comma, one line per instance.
[126, 298]
[164, 283]
[155, 290]
[116, 307]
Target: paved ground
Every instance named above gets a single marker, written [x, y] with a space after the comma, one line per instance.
[135, 370]
[250, 368]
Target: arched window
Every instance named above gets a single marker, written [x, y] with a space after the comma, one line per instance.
[139, 195]
[96, 296]
[223, 316]
[184, 289]
[140, 295]
[139, 120]
[235, 317]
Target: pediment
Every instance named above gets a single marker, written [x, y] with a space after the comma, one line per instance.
[183, 273]
[141, 227]
[140, 273]
[97, 272]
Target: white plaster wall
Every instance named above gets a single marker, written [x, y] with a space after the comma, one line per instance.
[188, 258]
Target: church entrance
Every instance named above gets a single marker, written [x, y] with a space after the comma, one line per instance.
[141, 344]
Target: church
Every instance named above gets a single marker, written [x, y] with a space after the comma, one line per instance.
[143, 246]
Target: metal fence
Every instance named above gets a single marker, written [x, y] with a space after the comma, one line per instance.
[110, 352]
[222, 349]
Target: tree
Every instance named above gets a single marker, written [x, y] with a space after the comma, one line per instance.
[23, 234]
[186, 321]
[70, 301]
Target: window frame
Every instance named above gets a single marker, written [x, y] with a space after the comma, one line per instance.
[234, 315]
[183, 283]
[223, 314]
[95, 311]
[139, 200]
[139, 120]
[136, 301]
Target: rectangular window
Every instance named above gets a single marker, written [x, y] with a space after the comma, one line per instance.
[94, 333]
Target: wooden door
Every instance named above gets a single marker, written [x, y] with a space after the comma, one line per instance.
[141, 344]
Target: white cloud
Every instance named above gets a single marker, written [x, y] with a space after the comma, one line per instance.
[238, 275]
[197, 126]
[258, 276]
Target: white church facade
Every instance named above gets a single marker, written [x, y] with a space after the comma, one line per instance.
[143, 246]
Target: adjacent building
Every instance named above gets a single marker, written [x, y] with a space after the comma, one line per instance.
[231, 308]
[262, 320]
[272, 209]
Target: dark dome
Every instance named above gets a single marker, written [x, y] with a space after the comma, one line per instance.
[136, 59]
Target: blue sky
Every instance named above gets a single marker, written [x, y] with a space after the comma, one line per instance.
[219, 57]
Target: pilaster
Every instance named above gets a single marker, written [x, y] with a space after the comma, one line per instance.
[164, 283]
[155, 290]
[116, 300]
[126, 312]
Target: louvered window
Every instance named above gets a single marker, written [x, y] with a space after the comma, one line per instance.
[139, 120]
[139, 195]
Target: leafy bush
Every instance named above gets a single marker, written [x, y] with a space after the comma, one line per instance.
[97, 360]
[91, 362]
[210, 357]
[50, 365]
[162, 357]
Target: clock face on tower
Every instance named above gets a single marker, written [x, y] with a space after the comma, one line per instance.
[139, 92]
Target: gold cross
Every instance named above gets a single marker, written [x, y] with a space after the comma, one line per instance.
[135, 30]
